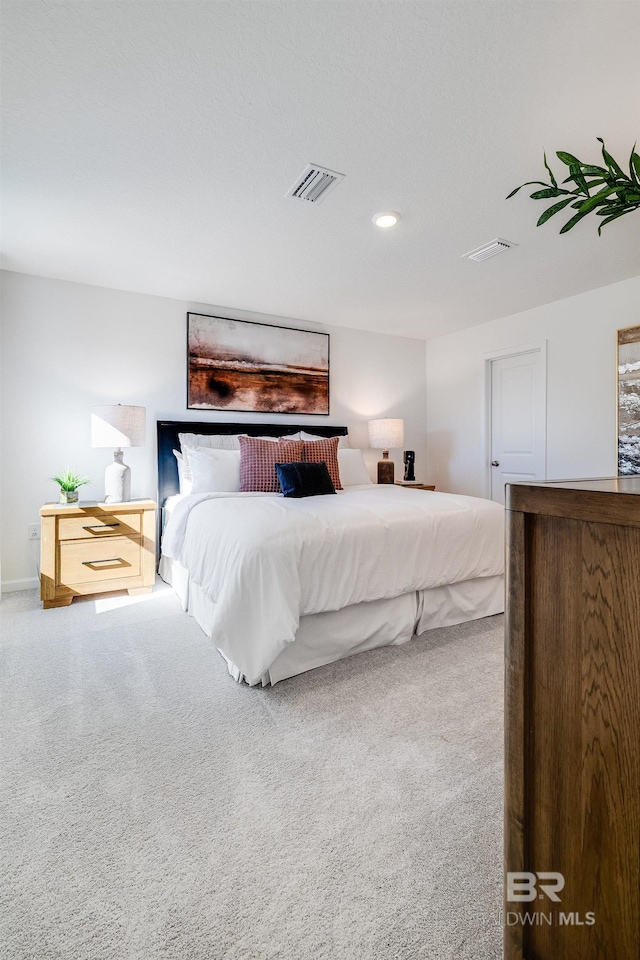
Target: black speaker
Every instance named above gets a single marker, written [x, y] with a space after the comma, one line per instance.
[409, 461]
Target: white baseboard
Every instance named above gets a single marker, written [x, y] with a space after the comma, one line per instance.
[29, 583]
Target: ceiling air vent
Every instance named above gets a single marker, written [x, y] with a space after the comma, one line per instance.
[314, 183]
[490, 249]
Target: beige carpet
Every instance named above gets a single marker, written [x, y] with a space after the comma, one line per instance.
[151, 808]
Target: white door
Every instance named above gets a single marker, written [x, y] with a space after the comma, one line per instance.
[518, 420]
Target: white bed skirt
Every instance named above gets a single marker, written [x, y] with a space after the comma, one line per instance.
[326, 637]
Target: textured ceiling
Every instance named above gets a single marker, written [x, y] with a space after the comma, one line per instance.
[148, 146]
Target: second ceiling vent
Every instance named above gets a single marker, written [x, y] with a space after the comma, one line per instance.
[490, 249]
[314, 183]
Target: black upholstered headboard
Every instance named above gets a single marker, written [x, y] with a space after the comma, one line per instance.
[168, 441]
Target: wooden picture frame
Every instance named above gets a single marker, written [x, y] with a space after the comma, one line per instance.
[242, 366]
[628, 401]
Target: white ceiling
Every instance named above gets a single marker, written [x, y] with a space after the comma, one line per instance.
[149, 145]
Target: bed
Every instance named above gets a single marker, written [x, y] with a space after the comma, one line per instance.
[286, 585]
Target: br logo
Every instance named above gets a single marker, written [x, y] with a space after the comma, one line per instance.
[524, 886]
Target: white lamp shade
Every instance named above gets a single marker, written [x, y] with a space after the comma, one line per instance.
[386, 433]
[118, 426]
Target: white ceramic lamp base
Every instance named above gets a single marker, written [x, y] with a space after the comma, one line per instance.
[117, 480]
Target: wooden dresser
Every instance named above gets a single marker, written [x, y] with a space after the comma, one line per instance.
[572, 787]
[91, 548]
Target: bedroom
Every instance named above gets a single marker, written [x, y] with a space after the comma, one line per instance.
[148, 149]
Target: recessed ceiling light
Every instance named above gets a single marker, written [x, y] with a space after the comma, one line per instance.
[386, 219]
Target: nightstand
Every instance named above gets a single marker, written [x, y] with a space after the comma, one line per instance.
[88, 548]
[414, 486]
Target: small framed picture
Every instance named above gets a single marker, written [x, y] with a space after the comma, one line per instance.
[629, 401]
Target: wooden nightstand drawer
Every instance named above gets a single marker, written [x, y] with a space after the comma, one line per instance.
[414, 486]
[108, 525]
[92, 548]
[86, 561]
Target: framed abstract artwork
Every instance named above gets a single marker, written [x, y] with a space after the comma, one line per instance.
[629, 401]
[244, 366]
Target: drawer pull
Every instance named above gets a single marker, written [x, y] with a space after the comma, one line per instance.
[99, 526]
[90, 563]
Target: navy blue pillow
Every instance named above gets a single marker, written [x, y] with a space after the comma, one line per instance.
[304, 479]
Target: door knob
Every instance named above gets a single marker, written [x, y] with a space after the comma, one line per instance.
[495, 463]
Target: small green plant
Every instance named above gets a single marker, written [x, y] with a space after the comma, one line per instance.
[619, 193]
[69, 481]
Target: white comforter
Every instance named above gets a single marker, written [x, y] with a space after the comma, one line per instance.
[264, 561]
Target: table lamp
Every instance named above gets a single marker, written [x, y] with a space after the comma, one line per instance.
[118, 426]
[384, 434]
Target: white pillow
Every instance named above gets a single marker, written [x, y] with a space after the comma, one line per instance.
[353, 469]
[196, 440]
[343, 443]
[221, 441]
[184, 483]
[214, 471]
[215, 441]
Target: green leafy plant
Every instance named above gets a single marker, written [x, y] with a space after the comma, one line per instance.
[69, 481]
[618, 195]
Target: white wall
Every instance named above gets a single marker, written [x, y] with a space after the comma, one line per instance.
[581, 387]
[67, 347]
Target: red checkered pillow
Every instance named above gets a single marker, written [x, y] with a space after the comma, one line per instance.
[327, 450]
[258, 459]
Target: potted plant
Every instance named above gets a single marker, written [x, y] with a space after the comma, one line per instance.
[605, 190]
[69, 483]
